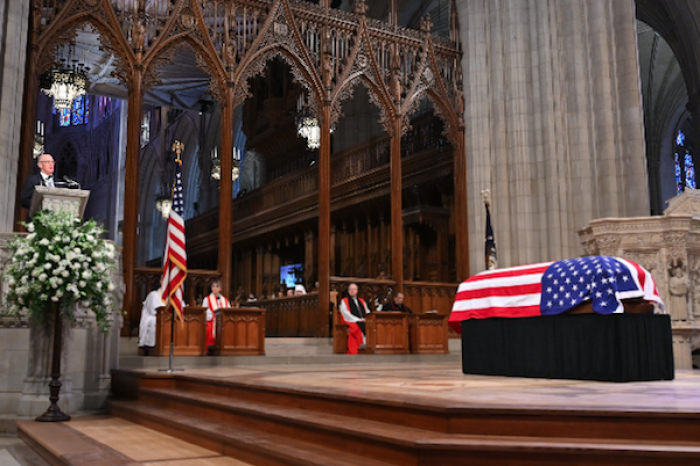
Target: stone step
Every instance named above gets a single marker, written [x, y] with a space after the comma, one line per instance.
[244, 423]
[237, 441]
[478, 420]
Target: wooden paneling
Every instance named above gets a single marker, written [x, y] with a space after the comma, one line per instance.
[240, 332]
[426, 296]
[189, 335]
[429, 333]
[387, 333]
[293, 316]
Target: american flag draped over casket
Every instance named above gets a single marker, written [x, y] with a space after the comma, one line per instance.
[553, 288]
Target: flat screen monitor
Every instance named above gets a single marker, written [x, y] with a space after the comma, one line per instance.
[291, 274]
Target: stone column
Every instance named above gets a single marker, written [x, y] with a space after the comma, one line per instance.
[553, 122]
[14, 19]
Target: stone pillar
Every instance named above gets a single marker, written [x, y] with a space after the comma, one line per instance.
[14, 19]
[553, 124]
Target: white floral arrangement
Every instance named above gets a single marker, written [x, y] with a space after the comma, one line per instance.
[62, 260]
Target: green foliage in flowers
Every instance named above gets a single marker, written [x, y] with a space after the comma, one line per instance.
[62, 260]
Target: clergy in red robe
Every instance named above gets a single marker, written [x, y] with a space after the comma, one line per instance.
[353, 311]
[213, 302]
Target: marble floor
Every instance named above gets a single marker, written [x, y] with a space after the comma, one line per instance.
[14, 452]
[445, 386]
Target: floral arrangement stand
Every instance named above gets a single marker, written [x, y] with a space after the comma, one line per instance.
[62, 264]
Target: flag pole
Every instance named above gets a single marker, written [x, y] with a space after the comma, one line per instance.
[177, 147]
[490, 255]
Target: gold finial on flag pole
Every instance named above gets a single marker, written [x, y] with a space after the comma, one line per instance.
[486, 194]
[178, 147]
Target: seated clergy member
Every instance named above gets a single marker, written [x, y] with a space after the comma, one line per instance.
[147, 326]
[397, 304]
[43, 178]
[212, 303]
[353, 310]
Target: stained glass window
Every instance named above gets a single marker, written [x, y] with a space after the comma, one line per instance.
[78, 110]
[680, 139]
[689, 171]
[86, 117]
[685, 166]
[64, 117]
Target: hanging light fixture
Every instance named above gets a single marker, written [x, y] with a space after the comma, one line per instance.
[307, 125]
[38, 140]
[216, 164]
[65, 81]
[164, 204]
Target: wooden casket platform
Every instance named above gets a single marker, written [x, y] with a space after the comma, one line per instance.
[614, 348]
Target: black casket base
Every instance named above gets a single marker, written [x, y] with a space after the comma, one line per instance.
[611, 348]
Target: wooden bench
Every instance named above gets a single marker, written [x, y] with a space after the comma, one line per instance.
[189, 335]
[240, 331]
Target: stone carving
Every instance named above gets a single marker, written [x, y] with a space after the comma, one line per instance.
[678, 289]
[668, 247]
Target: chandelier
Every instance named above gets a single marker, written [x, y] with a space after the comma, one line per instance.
[216, 164]
[38, 140]
[65, 81]
[307, 124]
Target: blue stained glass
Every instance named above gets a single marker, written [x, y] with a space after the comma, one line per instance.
[679, 181]
[680, 139]
[689, 171]
[78, 110]
[86, 118]
[64, 117]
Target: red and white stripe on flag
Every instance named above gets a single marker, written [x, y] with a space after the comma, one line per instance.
[512, 292]
[174, 264]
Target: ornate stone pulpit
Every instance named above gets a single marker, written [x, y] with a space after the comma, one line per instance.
[68, 200]
[669, 247]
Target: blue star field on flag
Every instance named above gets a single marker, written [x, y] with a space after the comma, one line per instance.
[178, 203]
[603, 280]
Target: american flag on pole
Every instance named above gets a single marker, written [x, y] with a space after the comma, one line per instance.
[553, 288]
[175, 257]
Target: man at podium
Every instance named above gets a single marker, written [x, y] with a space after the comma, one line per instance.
[43, 178]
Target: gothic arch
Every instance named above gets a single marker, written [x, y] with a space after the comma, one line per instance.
[441, 108]
[346, 90]
[63, 32]
[255, 65]
[163, 53]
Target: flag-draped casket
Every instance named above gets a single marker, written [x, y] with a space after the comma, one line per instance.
[553, 288]
[565, 319]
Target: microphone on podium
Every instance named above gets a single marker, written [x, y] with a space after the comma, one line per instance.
[71, 183]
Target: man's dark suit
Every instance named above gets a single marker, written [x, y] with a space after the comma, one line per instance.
[28, 189]
[392, 306]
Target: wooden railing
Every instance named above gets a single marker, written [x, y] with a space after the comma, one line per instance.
[429, 296]
[197, 286]
[355, 161]
[292, 316]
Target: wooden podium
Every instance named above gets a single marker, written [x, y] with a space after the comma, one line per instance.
[189, 335]
[387, 332]
[429, 333]
[67, 200]
[240, 331]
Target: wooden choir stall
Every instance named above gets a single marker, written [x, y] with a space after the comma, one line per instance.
[239, 332]
[391, 332]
